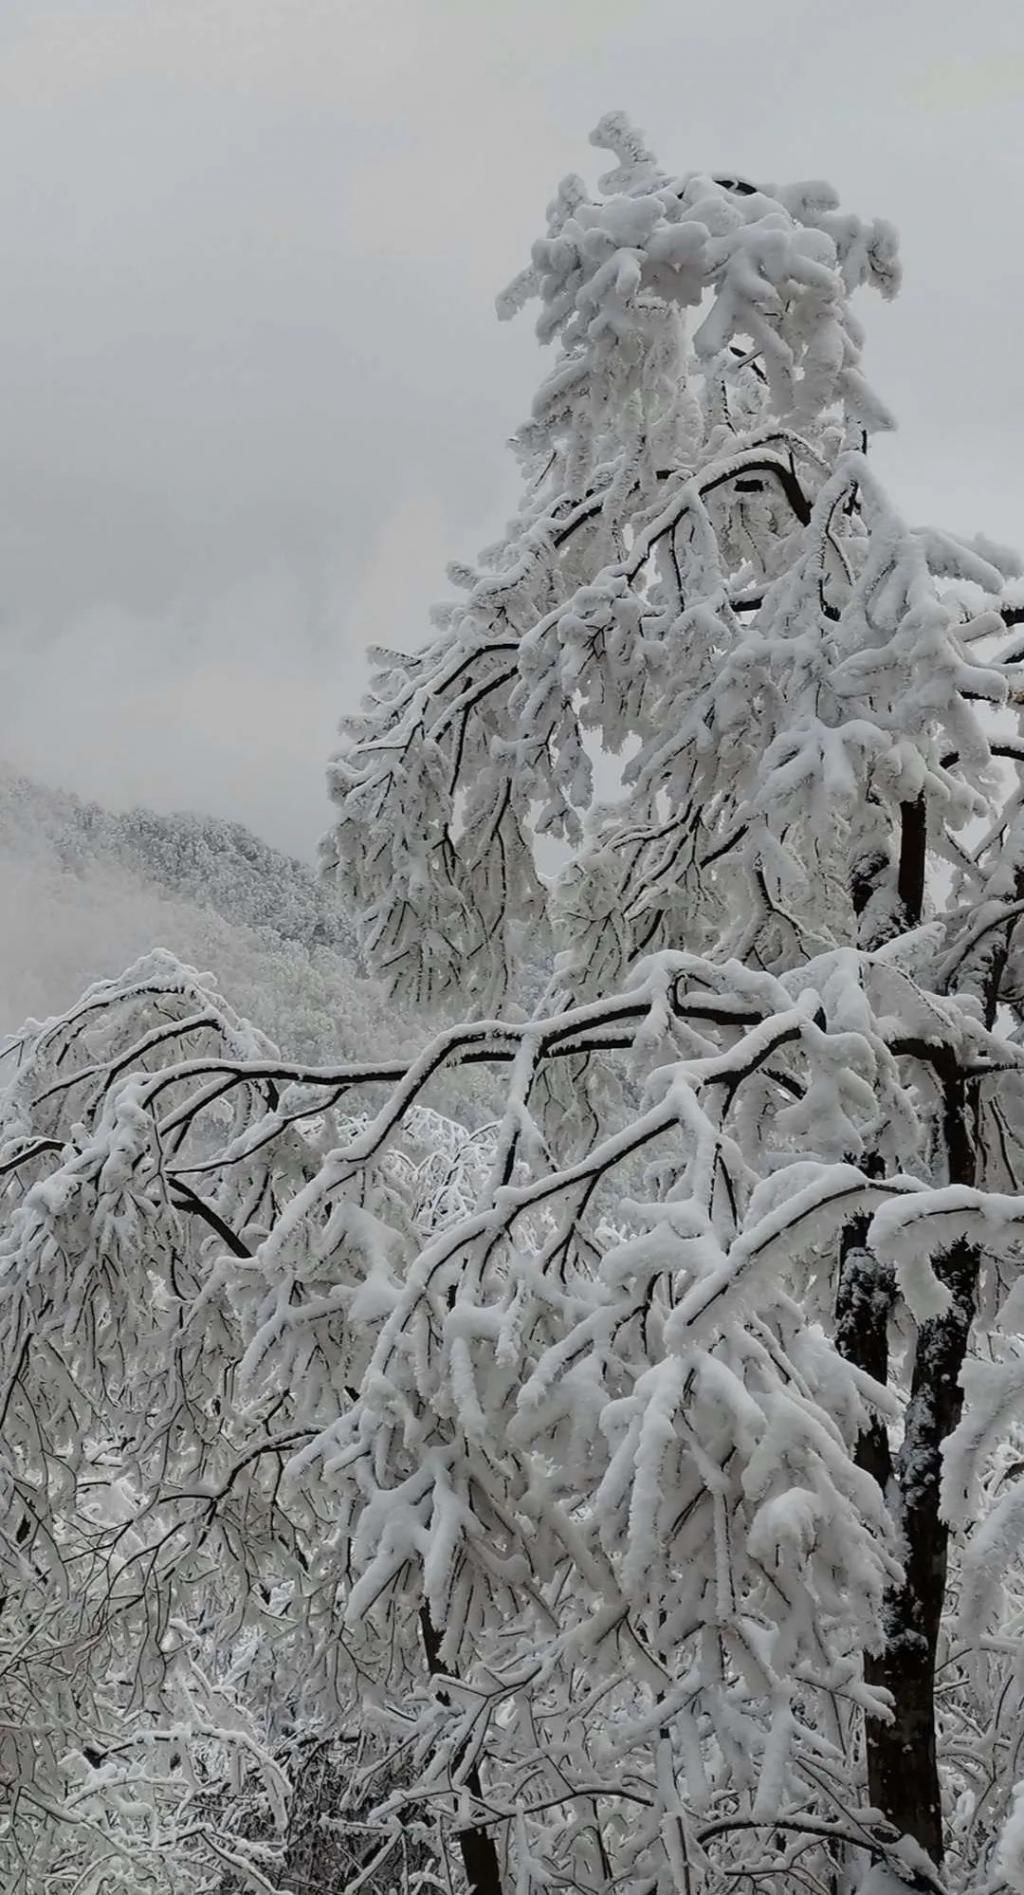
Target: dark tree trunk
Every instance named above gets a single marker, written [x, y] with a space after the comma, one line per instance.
[903, 1775]
[479, 1850]
[902, 1762]
[912, 859]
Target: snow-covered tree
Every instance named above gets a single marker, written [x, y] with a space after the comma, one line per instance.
[643, 1467]
[170, 1635]
[707, 579]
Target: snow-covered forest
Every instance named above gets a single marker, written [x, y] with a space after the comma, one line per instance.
[513, 1380]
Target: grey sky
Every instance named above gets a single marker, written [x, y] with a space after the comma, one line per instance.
[252, 387]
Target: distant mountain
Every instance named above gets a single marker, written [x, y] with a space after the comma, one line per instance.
[221, 865]
[84, 890]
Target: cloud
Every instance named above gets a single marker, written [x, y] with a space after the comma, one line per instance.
[972, 83]
[57, 51]
[230, 705]
[228, 710]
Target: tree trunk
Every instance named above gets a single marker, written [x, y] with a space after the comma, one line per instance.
[902, 1762]
[903, 1777]
[479, 1850]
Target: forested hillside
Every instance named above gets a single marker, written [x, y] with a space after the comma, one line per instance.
[86, 888]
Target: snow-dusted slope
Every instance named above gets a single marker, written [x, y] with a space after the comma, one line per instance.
[83, 891]
[222, 865]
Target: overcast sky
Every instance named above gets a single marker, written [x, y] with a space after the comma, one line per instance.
[253, 394]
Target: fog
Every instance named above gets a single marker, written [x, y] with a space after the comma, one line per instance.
[253, 390]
